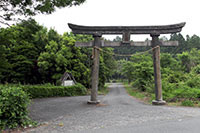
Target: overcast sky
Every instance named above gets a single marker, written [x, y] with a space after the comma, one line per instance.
[127, 13]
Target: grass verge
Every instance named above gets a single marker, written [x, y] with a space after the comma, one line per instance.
[147, 98]
[104, 90]
[143, 96]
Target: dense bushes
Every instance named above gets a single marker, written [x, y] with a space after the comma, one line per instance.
[39, 91]
[180, 75]
[14, 100]
[179, 92]
[32, 54]
[13, 107]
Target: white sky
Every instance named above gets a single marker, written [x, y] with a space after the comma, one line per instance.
[127, 13]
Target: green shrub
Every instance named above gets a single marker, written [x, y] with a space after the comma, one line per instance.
[177, 91]
[39, 91]
[194, 81]
[180, 75]
[13, 107]
[139, 83]
[196, 69]
[187, 93]
[187, 103]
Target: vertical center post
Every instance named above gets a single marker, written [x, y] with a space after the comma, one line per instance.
[95, 70]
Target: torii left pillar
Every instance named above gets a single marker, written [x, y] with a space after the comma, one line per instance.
[95, 70]
[157, 74]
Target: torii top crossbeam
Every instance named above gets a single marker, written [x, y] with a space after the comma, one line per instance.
[152, 30]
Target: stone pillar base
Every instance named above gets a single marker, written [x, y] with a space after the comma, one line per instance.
[93, 102]
[156, 102]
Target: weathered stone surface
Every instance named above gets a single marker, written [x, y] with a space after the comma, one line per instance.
[100, 30]
[155, 102]
[93, 102]
[118, 44]
[157, 73]
[95, 70]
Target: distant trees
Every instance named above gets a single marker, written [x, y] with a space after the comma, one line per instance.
[107, 65]
[185, 44]
[139, 70]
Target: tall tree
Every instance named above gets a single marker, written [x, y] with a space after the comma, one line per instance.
[182, 44]
[22, 51]
[63, 56]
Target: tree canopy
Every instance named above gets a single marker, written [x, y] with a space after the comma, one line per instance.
[32, 54]
[12, 8]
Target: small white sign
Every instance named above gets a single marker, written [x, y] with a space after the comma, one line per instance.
[68, 83]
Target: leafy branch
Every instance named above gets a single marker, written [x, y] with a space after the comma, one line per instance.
[12, 10]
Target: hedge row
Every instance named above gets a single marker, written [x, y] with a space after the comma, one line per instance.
[40, 91]
[14, 100]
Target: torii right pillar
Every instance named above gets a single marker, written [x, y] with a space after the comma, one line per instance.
[157, 73]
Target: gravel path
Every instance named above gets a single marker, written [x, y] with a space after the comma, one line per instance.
[117, 110]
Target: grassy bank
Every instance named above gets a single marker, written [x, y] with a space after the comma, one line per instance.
[143, 96]
[104, 90]
[148, 97]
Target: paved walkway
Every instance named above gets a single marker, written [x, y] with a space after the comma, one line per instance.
[118, 112]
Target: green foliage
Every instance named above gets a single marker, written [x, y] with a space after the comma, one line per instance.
[171, 76]
[189, 59]
[193, 81]
[41, 91]
[136, 93]
[21, 53]
[127, 70]
[107, 66]
[13, 8]
[185, 61]
[187, 103]
[54, 61]
[104, 90]
[13, 107]
[4, 65]
[118, 72]
[30, 54]
[126, 50]
[168, 61]
[139, 70]
[173, 92]
[196, 69]
[62, 56]
[180, 75]
[14, 101]
[183, 45]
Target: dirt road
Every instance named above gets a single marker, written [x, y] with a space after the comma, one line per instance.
[118, 112]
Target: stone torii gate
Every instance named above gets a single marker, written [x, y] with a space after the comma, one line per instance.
[126, 31]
